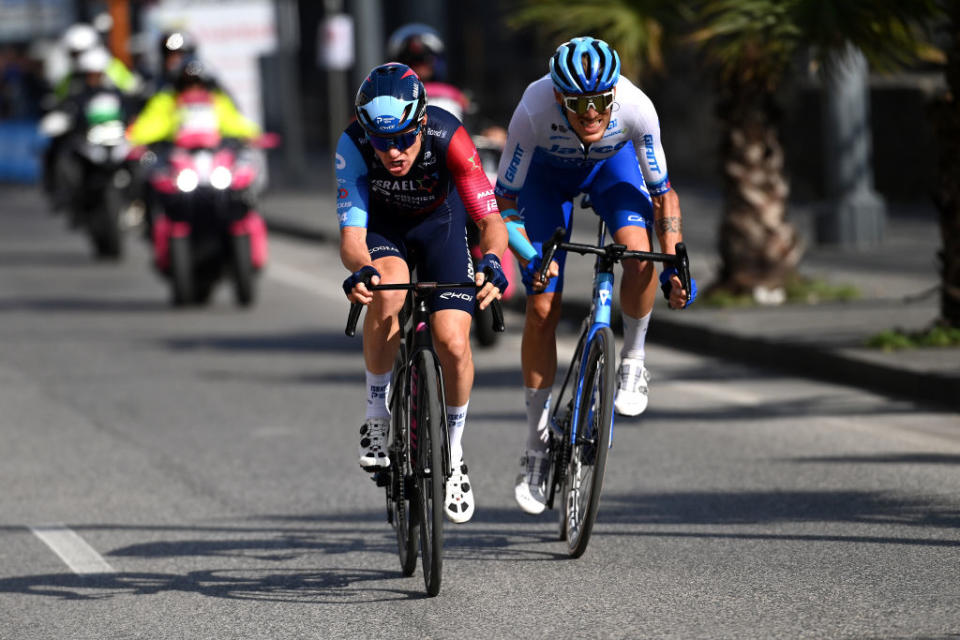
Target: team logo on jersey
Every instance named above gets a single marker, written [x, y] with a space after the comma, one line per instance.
[341, 162]
[511, 172]
[428, 183]
[440, 133]
[650, 154]
[342, 193]
[474, 161]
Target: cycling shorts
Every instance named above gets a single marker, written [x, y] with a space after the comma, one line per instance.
[616, 189]
[436, 244]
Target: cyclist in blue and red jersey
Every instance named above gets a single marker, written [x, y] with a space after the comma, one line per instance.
[584, 128]
[408, 176]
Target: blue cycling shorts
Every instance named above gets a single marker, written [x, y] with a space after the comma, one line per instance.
[616, 189]
[436, 244]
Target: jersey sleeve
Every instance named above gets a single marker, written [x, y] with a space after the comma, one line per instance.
[517, 154]
[646, 141]
[352, 190]
[465, 167]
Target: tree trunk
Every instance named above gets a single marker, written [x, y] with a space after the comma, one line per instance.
[758, 247]
[947, 197]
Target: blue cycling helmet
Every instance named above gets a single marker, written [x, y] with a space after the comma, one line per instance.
[584, 65]
[390, 100]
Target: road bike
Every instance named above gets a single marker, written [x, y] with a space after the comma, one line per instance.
[581, 419]
[419, 448]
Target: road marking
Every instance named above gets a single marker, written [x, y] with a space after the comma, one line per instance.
[72, 549]
[306, 281]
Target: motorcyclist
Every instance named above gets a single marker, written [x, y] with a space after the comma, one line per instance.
[62, 172]
[421, 48]
[82, 37]
[156, 126]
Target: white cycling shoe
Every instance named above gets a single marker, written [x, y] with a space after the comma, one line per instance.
[373, 444]
[632, 387]
[530, 490]
[459, 504]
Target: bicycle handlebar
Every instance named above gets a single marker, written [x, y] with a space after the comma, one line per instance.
[419, 287]
[617, 252]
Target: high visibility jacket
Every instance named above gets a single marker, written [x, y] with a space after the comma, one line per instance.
[160, 119]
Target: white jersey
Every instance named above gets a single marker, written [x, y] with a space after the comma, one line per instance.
[539, 132]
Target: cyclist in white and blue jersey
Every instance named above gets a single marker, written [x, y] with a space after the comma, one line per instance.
[583, 128]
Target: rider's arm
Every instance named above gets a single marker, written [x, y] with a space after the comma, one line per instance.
[352, 204]
[156, 122]
[233, 124]
[475, 192]
[514, 164]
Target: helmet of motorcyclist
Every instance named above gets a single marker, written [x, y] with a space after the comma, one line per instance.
[584, 65]
[420, 47]
[191, 73]
[174, 47]
[391, 100]
[95, 60]
[79, 37]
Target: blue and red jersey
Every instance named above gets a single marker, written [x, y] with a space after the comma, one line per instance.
[447, 160]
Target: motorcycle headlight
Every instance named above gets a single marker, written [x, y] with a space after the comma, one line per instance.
[187, 180]
[221, 178]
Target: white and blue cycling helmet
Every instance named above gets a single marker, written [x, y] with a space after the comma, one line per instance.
[390, 100]
[584, 65]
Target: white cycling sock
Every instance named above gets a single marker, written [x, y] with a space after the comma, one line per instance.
[634, 336]
[456, 419]
[538, 409]
[378, 390]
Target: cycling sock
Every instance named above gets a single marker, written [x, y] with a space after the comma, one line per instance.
[538, 406]
[634, 336]
[456, 419]
[378, 390]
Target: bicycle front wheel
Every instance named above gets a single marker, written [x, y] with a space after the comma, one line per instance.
[401, 494]
[430, 476]
[583, 480]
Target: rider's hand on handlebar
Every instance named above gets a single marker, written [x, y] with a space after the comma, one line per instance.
[530, 273]
[673, 289]
[355, 286]
[492, 280]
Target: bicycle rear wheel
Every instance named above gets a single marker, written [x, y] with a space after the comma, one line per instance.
[427, 425]
[588, 455]
[401, 496]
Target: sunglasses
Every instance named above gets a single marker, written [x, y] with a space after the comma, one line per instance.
[401, 141]
[581, 104]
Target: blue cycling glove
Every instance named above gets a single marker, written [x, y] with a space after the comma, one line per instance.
[490, 265]
[363, 275]
[665, 285]
[530, 270]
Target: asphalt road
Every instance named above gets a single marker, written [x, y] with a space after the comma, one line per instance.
[192, 474]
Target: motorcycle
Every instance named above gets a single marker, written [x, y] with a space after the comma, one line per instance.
[91, 169]
[207, 226]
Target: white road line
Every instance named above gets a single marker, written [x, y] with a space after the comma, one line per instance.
[72, 549]
[306, 281]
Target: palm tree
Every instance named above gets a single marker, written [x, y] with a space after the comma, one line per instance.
[752, 44]
[947, 196]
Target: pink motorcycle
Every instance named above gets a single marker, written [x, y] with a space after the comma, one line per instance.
[207, 226]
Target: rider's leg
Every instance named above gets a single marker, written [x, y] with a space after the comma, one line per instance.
[381, 339]
[621, 198]
[451, 340]
[538, 358]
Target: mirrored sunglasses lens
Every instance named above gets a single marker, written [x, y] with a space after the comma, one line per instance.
[582, 104]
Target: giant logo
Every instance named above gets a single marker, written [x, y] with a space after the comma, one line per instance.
[511, 172]
[650, 154]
